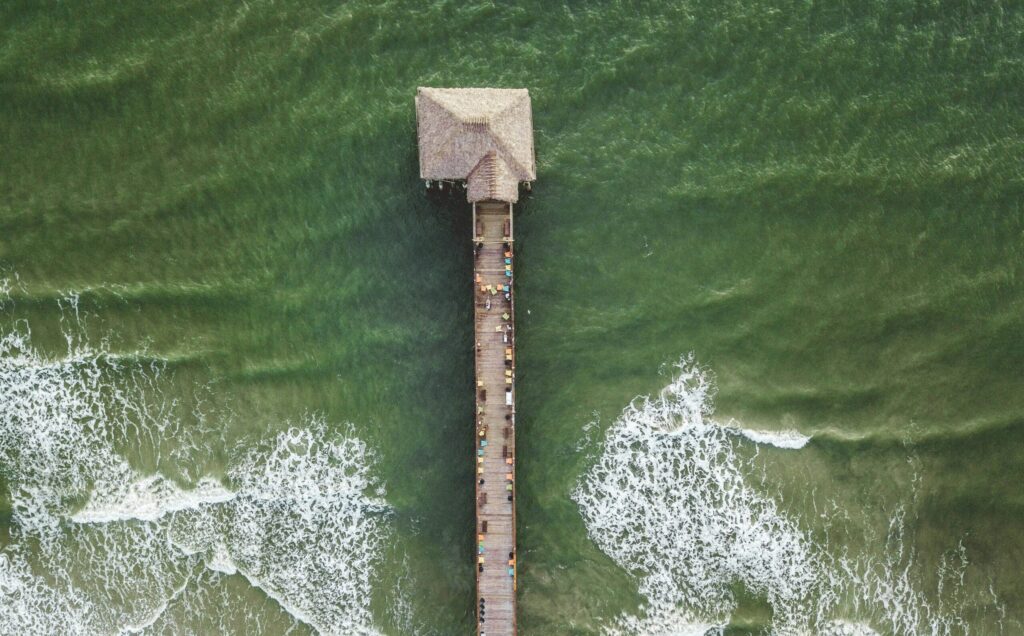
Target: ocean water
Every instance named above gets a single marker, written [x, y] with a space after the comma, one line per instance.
[771, 328]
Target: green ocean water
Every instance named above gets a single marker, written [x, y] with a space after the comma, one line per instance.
[221, 271]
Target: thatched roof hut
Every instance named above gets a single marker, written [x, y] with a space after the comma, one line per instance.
[482, 135]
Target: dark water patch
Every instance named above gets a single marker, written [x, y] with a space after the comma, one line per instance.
[753, 614]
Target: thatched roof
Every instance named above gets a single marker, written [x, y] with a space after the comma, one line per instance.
[482, 135]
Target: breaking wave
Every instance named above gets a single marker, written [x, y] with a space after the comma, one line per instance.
[302, 526]
[148, 499]
[673, 499]
[778, 439]
[99, 546]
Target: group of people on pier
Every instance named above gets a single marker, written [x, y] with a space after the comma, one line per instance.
[495, 296]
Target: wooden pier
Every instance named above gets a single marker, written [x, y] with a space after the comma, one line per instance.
[483, 137]
[495, 442]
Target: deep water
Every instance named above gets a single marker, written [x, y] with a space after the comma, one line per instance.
[771, 318]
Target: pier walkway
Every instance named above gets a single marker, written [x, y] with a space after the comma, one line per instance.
[483, 139]
[495, 419]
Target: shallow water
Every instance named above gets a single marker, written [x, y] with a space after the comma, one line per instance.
[235, 369]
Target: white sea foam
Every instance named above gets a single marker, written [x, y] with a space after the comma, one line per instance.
[218, 558]
[147, 499]
[52, 444]
[780, 439]
[662, 621]
[671, 499]
[847, 628]
[301, 516]
[301, 526]
[28, 605]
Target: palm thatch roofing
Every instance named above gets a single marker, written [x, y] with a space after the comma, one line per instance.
[482, 135]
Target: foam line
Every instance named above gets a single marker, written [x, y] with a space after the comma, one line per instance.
[789, 439]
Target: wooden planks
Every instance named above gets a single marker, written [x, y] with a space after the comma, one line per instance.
[494, 434]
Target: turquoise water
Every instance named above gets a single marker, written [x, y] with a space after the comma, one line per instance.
[235, 364]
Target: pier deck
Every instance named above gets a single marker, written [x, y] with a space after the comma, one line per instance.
[495, 419]
[483, 138]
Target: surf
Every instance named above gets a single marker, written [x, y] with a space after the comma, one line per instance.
[97, 546]
[673, 498]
